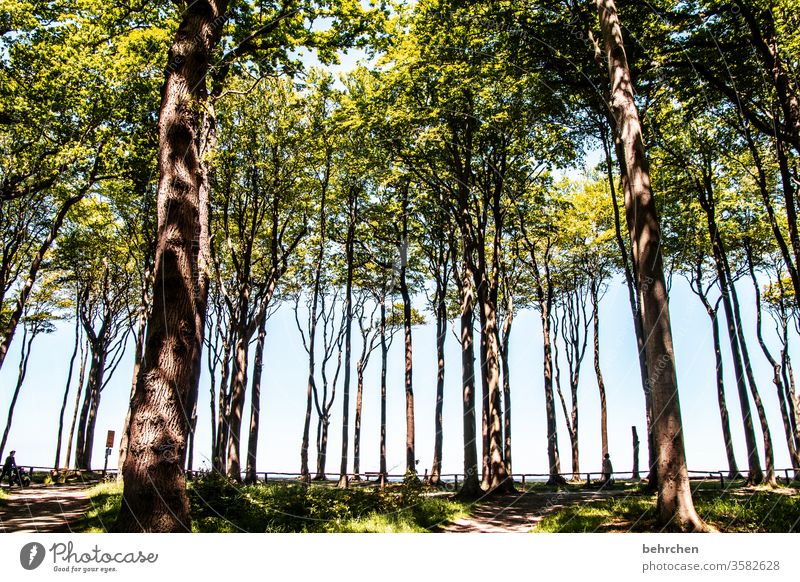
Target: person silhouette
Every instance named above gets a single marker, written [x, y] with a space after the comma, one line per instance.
[9, 466]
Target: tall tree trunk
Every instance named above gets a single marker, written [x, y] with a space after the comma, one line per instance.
[238, 389]
[775, 365]
[384, 362]
[601, 387]
[411, 462]
[471, 487]
[506, 340]
[486, 471]
[769, 456]
[754, 474]
[81, 377]
[27, 341]
[713, 314]
[629, 266]
[322, 447]
[255, 402]
[83, 420]
[498, 478]
[544, 295]
[138, 354]
[57, 462]
[357, 423]
[441, 334]
[91, 422]
[154, 494]
[348, 344]
[220, 461]
[675, 505]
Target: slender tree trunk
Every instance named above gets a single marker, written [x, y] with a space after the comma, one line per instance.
[357, 423]
[601, 387]
[255, 402]
[154, 494]
[471, 487]
[81, 461]
[348, 348]
[486, 471]
[33, 270]
[675, 505]
[544, 295]
[91, 421]
[322, 447]
[441, 334]
[220, 461]
[509, 319]
[411, 463]
[235, 410]
[384, 361]
[27, 341]
[57, 462]
[81, 377]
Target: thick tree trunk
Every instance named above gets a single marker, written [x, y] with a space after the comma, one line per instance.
[236, 407]
[141, 328]
[255, 403]
[675, 505]
[629, 265]
[57, 462]
[154, 495]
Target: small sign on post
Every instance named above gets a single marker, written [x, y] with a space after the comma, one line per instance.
[109, 446]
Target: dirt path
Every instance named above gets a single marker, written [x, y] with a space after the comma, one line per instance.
[43, 509]
[519, 513]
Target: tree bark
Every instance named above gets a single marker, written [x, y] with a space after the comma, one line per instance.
[348, 309]
[154, 494]
[441, 334]
[384, 362]
[411, 463]
[255, 403]
[635, 472]
[675, 505]
[57, 462]
[601, 387]
[471, 487]
[775, 365]
[81, 377]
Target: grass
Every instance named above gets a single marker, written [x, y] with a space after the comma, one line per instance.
[106, 499]
[736, 509]
[220, 506]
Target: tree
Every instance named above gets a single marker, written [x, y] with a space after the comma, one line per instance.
[675, 505]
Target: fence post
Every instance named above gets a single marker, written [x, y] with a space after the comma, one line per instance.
[523, 480]
[786, 471]
[721, 480]
[456, 475]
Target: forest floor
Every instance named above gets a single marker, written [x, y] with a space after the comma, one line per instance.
[43, 508]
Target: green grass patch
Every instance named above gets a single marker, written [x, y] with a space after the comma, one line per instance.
[219, 506]
[736, 509]
[105, 501]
